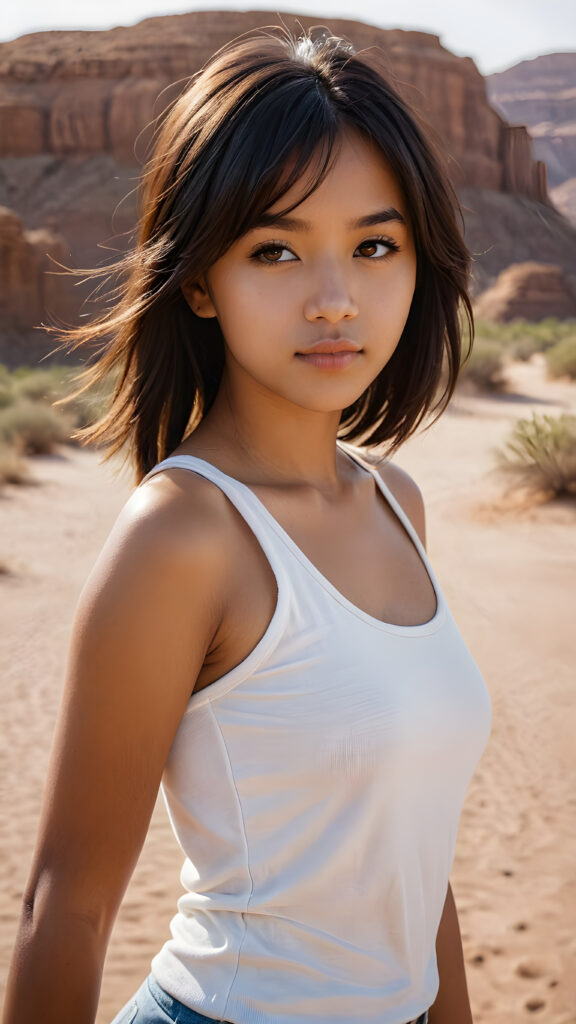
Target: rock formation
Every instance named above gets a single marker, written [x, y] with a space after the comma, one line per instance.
[541, 94]
[528, 291]
[501, 229]
[81, 93]
[31, 289]
[564, 199]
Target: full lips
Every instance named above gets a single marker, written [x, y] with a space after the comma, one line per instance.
[328, 360]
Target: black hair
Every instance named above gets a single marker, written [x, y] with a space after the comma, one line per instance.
[265, 102]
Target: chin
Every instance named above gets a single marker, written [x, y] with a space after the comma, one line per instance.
[328, 403]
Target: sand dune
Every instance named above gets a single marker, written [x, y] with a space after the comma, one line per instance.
[509, 574]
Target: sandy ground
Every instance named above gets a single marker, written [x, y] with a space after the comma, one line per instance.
[509, 574]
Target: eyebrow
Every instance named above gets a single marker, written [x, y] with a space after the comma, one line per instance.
[274, 220]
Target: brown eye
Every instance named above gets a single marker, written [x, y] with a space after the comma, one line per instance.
[368, 245]
[264, 252]
[388, 245]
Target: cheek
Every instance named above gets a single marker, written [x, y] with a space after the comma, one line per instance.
[387, 303]
[246, 309]
[406, 270]
[403, 287]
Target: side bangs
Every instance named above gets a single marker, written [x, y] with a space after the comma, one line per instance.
[309, 160]
[264, 149]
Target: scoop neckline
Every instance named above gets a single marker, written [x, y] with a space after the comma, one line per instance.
[420, 628]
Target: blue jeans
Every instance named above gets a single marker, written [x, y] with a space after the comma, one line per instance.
[152, 1005]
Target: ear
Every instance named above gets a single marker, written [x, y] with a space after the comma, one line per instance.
[198, 298]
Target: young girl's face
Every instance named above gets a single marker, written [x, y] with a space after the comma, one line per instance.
[340, 268]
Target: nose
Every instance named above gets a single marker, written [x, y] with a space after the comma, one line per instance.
[329, 296]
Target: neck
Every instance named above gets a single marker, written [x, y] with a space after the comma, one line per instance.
[272, 440]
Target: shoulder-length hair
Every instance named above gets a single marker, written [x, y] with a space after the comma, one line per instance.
[265, 102]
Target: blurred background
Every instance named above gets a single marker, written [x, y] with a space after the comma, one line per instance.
[79, 88]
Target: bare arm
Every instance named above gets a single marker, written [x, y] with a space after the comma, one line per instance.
[452, 1004]
[144, 621]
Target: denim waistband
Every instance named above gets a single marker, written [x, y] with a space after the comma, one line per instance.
[180, 1014]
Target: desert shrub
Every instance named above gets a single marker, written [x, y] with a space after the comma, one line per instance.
[33, 428]
[40, 384]
[522, 338]
[6, 389]
[13, 467]
[561, 358]
[523, 349]
[525, 346]
[88, 407]
[50, 386]
[540, 454]
[485, 367]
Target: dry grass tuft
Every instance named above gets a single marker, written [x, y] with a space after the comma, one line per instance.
[540, 455]
[13, 466]
[33, 428]
[486, 366]
[561, 358]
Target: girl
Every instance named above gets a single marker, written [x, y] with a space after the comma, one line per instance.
[263, 632]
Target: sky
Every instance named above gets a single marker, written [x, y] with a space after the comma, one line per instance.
[495, 33]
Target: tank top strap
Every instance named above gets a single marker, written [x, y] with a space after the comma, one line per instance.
[392, 501]
[245, 501]
[407, 523]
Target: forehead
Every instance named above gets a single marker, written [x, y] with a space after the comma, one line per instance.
[359, 177]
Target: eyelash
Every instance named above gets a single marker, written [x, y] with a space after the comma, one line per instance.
[274, 246]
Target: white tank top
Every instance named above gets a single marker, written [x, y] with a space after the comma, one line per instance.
[316, 791]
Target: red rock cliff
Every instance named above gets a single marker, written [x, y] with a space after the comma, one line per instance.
[81, 93]
[31, 286]
[541, 94]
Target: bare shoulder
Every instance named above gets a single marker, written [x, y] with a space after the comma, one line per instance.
[177, 499]
[176, 516]
[407, 493]
[166, 555]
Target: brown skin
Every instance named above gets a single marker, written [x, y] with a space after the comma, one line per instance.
[452, 1004]
[172, 574]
